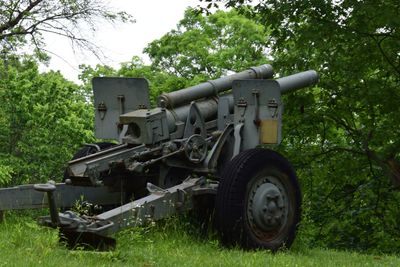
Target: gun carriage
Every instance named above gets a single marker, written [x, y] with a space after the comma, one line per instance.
[199, 142]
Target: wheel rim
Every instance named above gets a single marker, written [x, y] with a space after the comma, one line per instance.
[267, 207]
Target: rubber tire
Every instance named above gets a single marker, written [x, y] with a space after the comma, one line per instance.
[232, 196]
[87, 150]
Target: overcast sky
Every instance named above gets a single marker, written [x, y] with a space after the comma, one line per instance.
[119, 43]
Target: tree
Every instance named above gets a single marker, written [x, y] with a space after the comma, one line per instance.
[44, 119]
[25, 21]
[209, 45]
[346, 129]
[202, 47]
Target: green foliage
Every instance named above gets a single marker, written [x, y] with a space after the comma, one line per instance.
[349, 147]
[201, 48]
[43, 119]
[342, 136]
[6, 172]
[209, 45]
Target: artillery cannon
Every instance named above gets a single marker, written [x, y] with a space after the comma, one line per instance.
[202, 141]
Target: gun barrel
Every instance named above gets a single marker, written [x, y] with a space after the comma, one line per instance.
[208, 107]
[297, 81]
[213, 87]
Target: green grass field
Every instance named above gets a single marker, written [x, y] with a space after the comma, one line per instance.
[172, 243]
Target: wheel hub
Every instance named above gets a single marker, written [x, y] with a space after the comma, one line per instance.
[267, 207]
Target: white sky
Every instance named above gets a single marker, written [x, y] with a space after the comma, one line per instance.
[119, 43]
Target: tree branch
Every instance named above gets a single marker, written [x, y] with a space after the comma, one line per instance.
[14, 21]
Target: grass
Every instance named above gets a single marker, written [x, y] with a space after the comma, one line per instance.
[24, 243]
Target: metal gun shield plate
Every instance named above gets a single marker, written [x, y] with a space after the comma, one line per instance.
[113, 97]
[258, 108]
